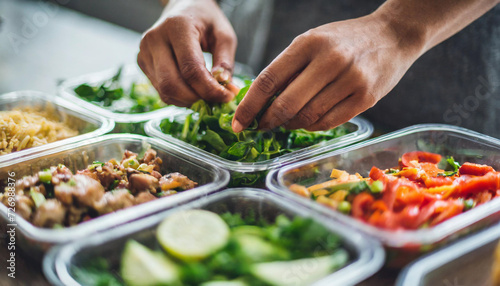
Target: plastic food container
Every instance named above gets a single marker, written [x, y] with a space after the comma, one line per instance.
[383, 152]
[124, 122]
[367, 255]
[127, 122]
[253, 174]
[468, 262]
[88, 124]
[77, 156]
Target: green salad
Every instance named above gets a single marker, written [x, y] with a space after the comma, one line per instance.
[140, 97]
[198, 247]
[209, 127]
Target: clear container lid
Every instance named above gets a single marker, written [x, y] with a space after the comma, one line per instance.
[79, 155]
[367, 256]
[384, 152]
[88, 124]
[360, 127]
[468, 262]
[130, 74]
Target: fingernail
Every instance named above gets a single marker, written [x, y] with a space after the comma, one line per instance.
[224, 77]
[237, 127]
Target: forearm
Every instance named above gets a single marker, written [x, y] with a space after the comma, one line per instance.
[426, 23]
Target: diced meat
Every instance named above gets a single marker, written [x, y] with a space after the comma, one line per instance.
[113, 201]
[81, 190]
[108, 175]
[156, 174]
[89, 173]
[127, 154]
[61, 174]
[176, 180]
[74, 215]
[149, 156]
[144, 197]
[51, 212]
[143, 182]
[151, 159]
[27, 182]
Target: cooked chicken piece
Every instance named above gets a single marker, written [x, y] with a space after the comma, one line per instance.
[149, 156]
[60, 174]
[24, 206]
[176, 180]
[113, 201]
[81, 190]
[156, 163]
[108, 175]
[51, 212]
[143, 182]
[144, 197]
[89, 173]
[26, 182]
[123, 184]
[75, 215]
[128, 154]
[156, 174]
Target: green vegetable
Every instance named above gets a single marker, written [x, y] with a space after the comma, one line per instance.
[142, 266]
[454, 164]
[469, 204]
[97, 273]
[110, 94]
[209, 128]
[344, 207]
[45, 176]
[257, 252]
[301, 271]
[376, 187]
[37, 197]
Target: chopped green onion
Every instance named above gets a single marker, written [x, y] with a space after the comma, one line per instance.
[37, 197]
[45, 176]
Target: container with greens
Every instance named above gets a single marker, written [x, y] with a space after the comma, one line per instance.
[235, 237]
[250, 153]
[123, 94]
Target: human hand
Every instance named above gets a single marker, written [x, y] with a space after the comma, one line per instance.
[329, 74]
[171, 53]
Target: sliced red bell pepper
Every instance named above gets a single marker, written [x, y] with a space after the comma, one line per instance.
[419, 156]
[475, 169]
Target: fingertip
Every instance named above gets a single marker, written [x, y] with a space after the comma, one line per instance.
[237, 126]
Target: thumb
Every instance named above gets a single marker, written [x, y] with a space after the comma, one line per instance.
[223, 52]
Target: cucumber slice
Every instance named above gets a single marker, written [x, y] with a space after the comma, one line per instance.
[142, 266]
[299, 272]
[193, 235]
[257, 249]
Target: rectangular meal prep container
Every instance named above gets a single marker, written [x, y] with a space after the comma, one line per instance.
[124, 122]
[89, 124]
[384, 152]
[367, 255]
[468, 262]
[360, 127]
[36, 240]
[128, 122]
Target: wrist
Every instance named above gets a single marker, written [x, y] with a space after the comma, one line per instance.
[409, 36]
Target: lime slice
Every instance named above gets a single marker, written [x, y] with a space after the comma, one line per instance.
[142, 266]
[193, 234]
